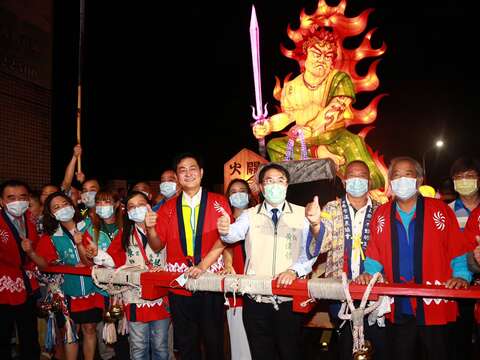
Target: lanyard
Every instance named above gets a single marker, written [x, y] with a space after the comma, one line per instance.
[349, 238]
[142, 249]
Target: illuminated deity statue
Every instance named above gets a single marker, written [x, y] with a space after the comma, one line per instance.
[319, 100]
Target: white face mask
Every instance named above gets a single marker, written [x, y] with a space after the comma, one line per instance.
[275, 194]
[88, 198]
[168, 188]
[239, 200]
[356, 187]
[138, 214]
[17, 208]
[105, 211]
[404, 188]
[65, 214]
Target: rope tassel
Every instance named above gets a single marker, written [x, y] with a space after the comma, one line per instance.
[109, 333]
[356, 315]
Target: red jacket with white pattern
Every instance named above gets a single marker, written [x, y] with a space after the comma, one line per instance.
[17, 280]
[438, 240]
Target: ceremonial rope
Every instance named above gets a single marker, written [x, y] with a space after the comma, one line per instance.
[115, 289]
[325, 289]
[258, 285]
[356, 315]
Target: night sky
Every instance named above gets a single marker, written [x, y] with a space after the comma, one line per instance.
[182, 73]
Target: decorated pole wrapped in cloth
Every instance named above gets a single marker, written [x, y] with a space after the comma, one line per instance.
[154, 283]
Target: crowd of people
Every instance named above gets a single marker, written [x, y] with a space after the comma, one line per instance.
[410, 239]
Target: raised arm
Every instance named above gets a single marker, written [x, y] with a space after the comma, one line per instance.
[70, 170]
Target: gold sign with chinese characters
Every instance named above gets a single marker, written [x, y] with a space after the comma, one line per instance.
[244, 166]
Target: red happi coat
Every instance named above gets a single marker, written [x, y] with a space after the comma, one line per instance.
[147, 313]
[472, 228]
[171, 231]
[17, 280]
[438, 240]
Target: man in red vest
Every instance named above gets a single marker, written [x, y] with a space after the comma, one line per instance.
[416, 240]
[187, 225]
[18, 286]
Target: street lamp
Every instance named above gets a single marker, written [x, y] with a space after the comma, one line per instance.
[438, 145]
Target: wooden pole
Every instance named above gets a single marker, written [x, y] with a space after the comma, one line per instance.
[79, 117]
[79, 86]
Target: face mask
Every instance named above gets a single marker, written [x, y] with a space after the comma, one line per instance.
[138, 214]
[404, 188]
[88, 198]
[168, 188]
[239, 200]
[275, 194]
[104, 211]
[65, 214]
[465, 187]
[356, 187]
[17, 208]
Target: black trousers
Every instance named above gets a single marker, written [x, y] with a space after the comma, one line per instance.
[462, 330]
[24, 316]
[273, 334]
[196, 318]
[408, 341]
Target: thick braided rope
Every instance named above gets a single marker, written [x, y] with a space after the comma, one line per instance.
[357, 315]
[110, 287]
[255, 285]
[326, 289]
[205, 282]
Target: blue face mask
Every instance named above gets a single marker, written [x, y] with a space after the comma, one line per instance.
[168, 189]
[404, 188]
[356, 187]
[239, 200]
[65, 214]
[275, 193]
[105, 211]
[137, 214]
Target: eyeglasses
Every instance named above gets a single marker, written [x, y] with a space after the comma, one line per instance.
[275, 180]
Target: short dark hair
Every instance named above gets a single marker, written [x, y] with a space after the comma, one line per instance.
[185, 155]
[358, 162]
[13, 183]
[463, 164]
[35, 195]
[275, 166]
[100, 184]
[141, 182]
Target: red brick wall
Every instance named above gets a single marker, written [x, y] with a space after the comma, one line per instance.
[25, 121]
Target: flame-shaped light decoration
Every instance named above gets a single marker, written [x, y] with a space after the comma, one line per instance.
[347, 59]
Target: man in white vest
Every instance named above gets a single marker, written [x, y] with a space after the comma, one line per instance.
[274, 232]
